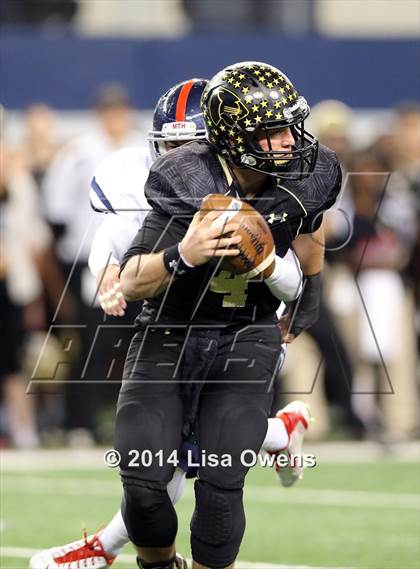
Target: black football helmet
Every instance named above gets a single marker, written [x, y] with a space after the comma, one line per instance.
[177, 116]
[248, 97]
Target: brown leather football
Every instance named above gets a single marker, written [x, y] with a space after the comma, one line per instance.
[257, 249]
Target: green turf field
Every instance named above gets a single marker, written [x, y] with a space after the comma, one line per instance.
[340, 515]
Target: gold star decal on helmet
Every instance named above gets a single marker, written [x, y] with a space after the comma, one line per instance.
[231, 133]
[237, 84]
[241, 76]
[281, 90]
[255, 108]
[248, 99]
[284, 100]
[257, 72]
[276, 81]
[288, 87]
[268, 114]
[277, 105]
[248, 122]
[263, 104]
[278, 116]
[245, 91]
[290, 97]
[230, 80]
[270, 85]
[268, 74]
[239, 139]
[258, 119]
[222, 128]
[241, 149]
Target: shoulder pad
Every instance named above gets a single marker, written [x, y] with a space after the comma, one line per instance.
[181, 178]
[118, 183]
[320, 190]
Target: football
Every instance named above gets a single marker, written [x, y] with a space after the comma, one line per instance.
[257, 246]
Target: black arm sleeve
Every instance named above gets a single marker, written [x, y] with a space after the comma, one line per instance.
[158, 232]
[305, 310]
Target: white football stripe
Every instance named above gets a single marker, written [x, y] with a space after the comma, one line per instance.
[258, 494]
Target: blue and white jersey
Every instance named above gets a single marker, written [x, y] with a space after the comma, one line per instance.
[118, 184]
[117, 188]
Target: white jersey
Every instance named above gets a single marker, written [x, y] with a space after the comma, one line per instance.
[118, 184]
[117, 189]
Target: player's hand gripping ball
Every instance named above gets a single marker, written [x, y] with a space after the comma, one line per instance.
[257, 249]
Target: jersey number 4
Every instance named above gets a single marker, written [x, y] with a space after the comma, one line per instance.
[233, 287]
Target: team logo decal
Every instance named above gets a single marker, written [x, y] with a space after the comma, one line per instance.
[226, 107]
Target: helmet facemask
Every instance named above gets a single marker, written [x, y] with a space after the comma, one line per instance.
[287, 164]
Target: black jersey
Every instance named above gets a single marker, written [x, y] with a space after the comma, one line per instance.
[176, 185]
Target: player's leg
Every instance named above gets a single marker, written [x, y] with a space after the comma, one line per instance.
[284, 439]
[147, 432]
[104, 547]
[232, 421]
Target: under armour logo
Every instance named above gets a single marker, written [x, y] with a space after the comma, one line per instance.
[279, 217]
[173, 265]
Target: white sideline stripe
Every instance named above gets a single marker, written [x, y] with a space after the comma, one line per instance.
[24, 552]
[65, 487]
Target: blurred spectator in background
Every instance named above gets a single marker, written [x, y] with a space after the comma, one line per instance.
[40, 142]
[331, 122]
[288, 16]
[66, 197]
[37, 12]
[378, 254]
[24, 237]
[407, 143]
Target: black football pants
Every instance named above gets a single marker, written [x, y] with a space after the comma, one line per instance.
[216, 383]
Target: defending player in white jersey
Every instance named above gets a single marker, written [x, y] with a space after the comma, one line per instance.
[117, 190]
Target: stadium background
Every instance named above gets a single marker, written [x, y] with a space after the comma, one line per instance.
[70, 74]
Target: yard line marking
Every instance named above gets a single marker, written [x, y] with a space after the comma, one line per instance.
[66, 487]
[25, 552]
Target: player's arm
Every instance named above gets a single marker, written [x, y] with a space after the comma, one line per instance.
[111, 240]
[309, 248]
[146, 274]
[284, 277]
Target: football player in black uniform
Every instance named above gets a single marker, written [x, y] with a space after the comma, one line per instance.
[199, 372]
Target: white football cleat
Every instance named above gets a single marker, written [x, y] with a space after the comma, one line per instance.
[86, 553]
[296, 417]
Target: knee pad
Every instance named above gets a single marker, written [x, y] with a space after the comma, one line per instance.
[149, 515]
[217, 525]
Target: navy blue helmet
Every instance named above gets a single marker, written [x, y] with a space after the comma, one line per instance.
[177, 116]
